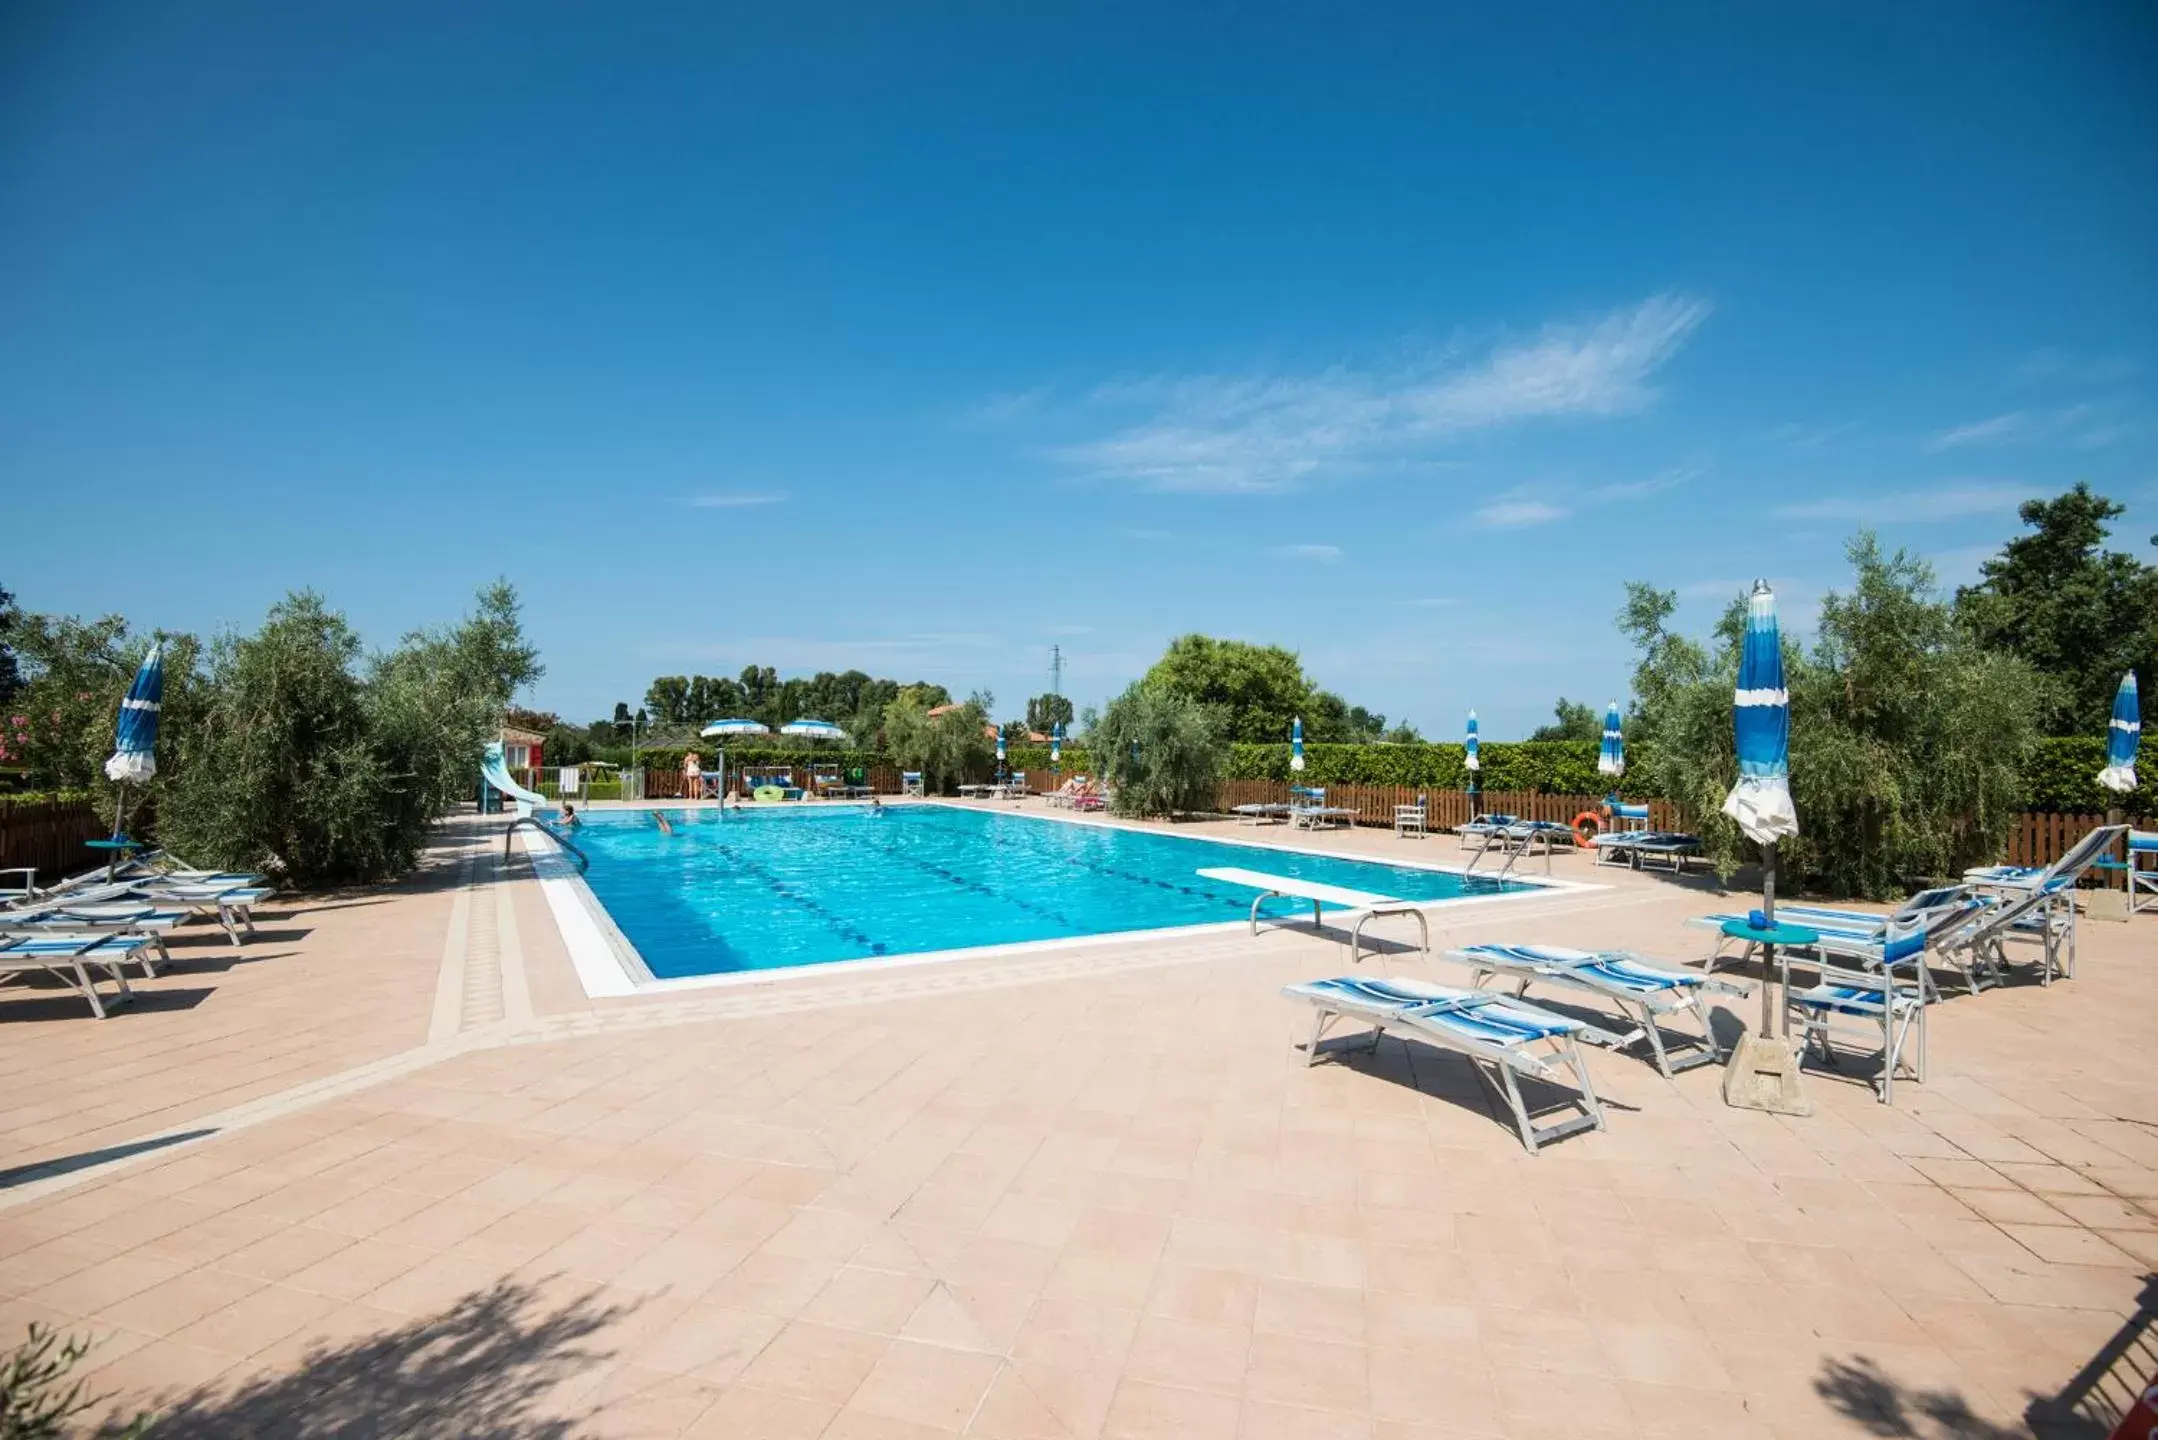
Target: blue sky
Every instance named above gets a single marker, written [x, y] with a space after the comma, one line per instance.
[919, 338]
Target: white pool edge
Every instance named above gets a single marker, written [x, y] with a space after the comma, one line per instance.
[608, 965]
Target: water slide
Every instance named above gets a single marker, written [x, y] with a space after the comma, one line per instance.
[497, 774]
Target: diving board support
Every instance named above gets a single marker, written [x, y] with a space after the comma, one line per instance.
[1367, 905]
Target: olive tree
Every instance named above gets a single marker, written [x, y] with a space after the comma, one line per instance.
[1160, 751]
[1908, 736]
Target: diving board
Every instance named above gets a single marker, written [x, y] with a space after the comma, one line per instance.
[1288, 887]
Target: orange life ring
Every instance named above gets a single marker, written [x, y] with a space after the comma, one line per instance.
[1587, 825]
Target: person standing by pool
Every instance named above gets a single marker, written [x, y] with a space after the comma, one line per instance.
[692, 776]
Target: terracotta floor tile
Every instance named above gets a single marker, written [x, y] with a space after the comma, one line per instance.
[815, 1362]
[743, 1412]
[1143, 1411]
[926, 1385]
[1190, 1354]
[1313, 1374]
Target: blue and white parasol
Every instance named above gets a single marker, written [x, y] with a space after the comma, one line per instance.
[1473, 760]
[1611, 759]
[134, 752]
[1056, 745]
[1000, 745]
[1296, 744]
[1761, 716]
[2122, 736]
[733, 727]
[813, 729]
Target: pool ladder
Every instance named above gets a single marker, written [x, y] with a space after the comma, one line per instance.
[547, 830]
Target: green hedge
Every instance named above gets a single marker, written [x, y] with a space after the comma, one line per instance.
[1562, 767]
[2062, 774]
[739, 756]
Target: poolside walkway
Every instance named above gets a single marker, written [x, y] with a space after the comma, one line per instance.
[387, 1171]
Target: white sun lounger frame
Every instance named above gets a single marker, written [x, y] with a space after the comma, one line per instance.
[1487, 1058]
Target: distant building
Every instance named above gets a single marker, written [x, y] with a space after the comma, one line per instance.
[521, 748]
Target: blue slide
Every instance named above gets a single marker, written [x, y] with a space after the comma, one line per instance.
[497, 774]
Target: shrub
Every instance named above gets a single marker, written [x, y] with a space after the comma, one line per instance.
[948, 749]
[1908, 738]
[1160, 750]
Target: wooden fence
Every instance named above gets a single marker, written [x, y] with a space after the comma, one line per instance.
[669, 784]
[1374, 804]
[2042, 837]
[49, 835]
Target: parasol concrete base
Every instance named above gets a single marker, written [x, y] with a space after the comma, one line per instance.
[2106, 905]
[1762, 1074]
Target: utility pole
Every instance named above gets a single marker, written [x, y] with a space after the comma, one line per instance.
[1056, 669]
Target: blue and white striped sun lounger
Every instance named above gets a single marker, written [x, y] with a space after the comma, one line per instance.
[1481, 827]
[2057, 880]
[1518, 838]
[2142, 870]
[1878, 1003]
[71, 956]
[1496, 1034]
[123, 918]
[233, 905]
[1874, 941]
[1646, 991]
[1636, 848]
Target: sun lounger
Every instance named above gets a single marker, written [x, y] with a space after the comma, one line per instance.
[910, 783]
[1260, 812]
[1981, 948]
[126, 918]
[1367, 906]
[2061, 874]
[1481, 827]
[1640, 848]
[1879, 942]
[233, 905]
[71, 956]
[1498, 1035]
[1409, 821]
[1308, 809]
[2142, 870]
[1518, 838]
[1842, 1001]
[1646, 991]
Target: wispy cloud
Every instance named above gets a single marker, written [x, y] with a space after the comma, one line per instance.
[1324, 554]
[2051, 365]
[1541, 505]
[1511, 514]
[1801, 436]
[735, 499]
[2088, 425]
[1941, 502]
[1995, 431]
[1641, 489]
[1260, 433]
[1010, 406]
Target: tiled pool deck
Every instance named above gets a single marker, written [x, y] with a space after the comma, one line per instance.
[1090, 1192]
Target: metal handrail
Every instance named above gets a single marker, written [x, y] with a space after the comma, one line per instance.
[583, 863]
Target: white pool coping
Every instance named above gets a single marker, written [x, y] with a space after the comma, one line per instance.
[608, 966]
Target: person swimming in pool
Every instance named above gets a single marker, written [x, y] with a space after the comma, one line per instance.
[569, 816]
[876, 806]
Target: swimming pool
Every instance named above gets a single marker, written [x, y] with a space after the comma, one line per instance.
[763, 890]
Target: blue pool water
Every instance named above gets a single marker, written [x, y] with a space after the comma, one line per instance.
[762, 889]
